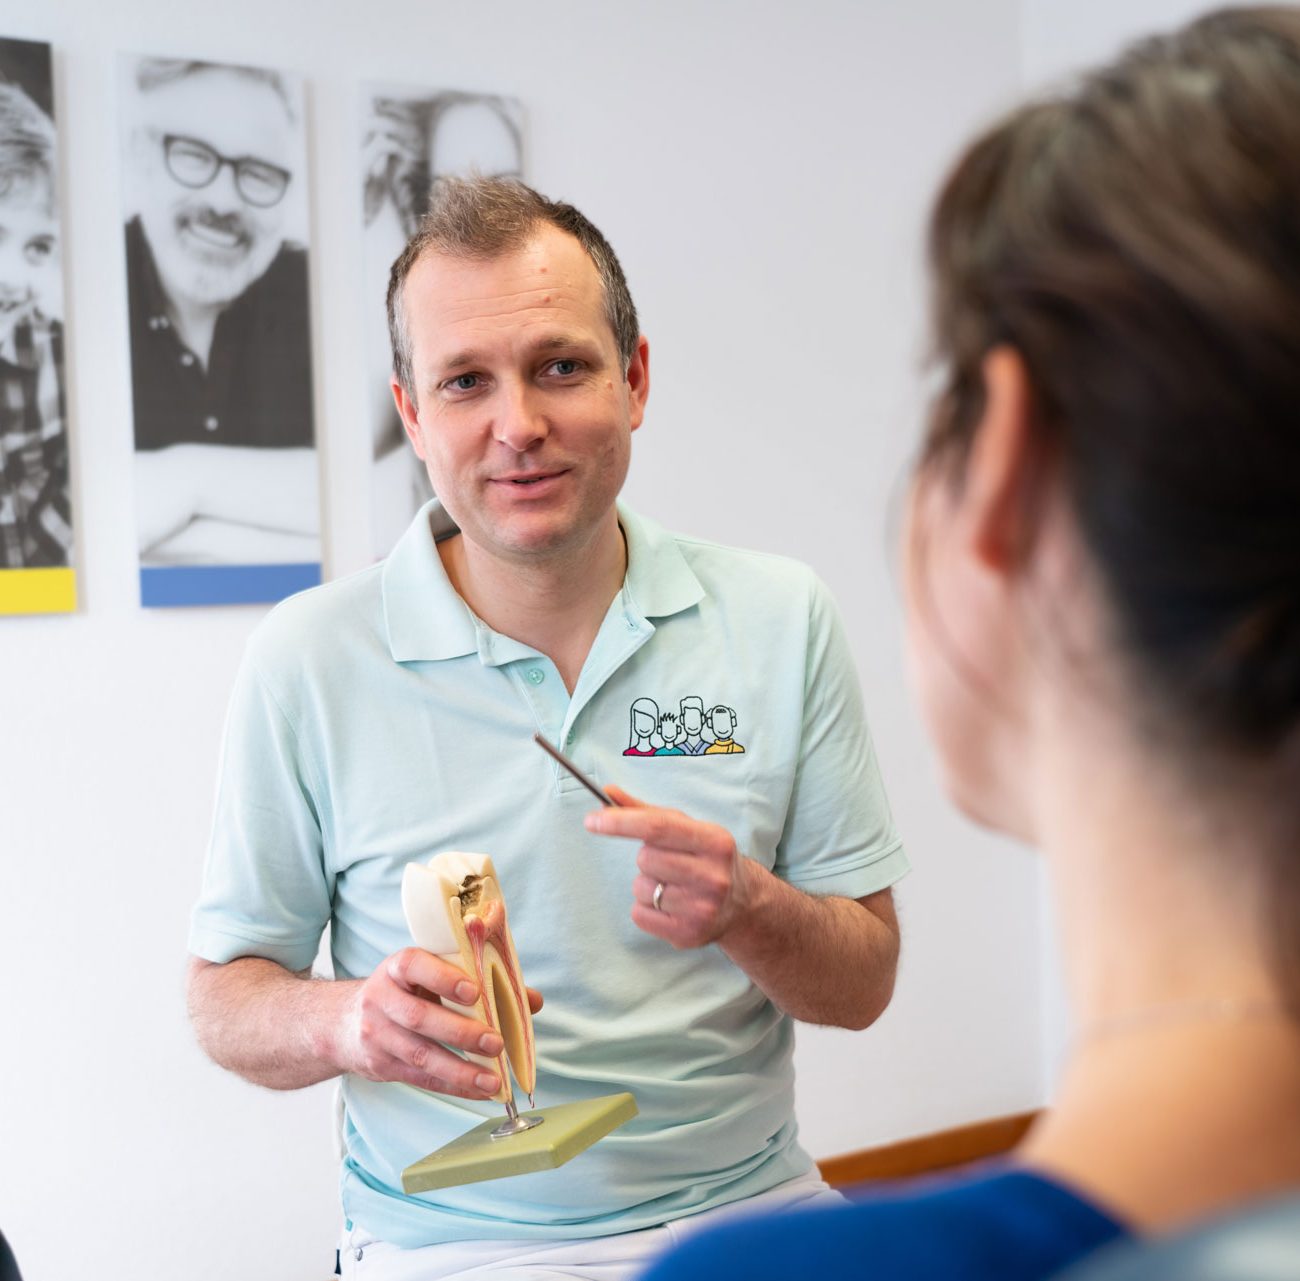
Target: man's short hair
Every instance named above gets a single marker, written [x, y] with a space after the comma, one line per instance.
[486, 218]
[155, 73]
[26, 144]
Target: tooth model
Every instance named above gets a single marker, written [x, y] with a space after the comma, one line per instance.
[454, 909]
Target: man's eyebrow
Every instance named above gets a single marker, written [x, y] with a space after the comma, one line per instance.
[460, 360]
[558, 342]
[553, 342]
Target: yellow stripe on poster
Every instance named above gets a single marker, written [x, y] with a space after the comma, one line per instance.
[38, 591]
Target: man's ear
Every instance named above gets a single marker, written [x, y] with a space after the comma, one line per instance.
[410, 416]
[638, 380]
[1004, 484]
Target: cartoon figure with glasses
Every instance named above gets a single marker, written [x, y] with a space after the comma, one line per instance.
[220, 345]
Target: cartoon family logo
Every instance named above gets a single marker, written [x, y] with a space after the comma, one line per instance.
[693, 730]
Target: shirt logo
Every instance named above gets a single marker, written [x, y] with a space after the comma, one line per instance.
[692, 730]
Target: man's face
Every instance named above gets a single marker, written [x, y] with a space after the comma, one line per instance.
[29, 259]
[211, 242]
[523, 414]
[692, 721]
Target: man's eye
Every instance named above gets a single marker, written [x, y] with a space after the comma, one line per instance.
[564, 367]
[464, 382]
[37, 251]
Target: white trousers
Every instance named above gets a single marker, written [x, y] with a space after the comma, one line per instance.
[609, 1258]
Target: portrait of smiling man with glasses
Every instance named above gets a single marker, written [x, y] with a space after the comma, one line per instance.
[220, 335]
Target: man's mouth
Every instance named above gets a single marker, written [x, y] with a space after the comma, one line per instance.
[224, 234]
[524, 480]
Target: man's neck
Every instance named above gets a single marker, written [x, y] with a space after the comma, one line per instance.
[195, 324]
[556, 604]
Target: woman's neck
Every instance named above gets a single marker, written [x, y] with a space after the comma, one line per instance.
[1181, 1092]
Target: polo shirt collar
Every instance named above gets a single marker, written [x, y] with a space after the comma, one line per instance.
[659, 582]
[427, 620]
[425, 617]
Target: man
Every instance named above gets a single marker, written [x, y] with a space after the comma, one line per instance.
[35, 517]
[722, 721]
[389, 716]
[220, 340]
[694, 743]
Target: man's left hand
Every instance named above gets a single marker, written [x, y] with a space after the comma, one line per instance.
[706, 881]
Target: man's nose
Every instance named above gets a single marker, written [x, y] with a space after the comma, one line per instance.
[15, 277]
[520, 422]
[222, 193]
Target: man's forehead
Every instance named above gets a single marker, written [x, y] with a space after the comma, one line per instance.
[214, 100]
[28, 205]
[546, 292]
[548, 259]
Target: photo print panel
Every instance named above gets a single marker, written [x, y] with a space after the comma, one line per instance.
[409, 139]
[36, 574]
[227, 485]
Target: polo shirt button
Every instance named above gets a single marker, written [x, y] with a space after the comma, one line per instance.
[536, 675]
[210, 423]
[568, 742]
[186, 358]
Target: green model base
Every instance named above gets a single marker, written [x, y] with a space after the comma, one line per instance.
[565, 1131]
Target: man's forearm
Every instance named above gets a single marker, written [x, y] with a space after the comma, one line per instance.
[822, 960]
[272, 1027]
[267, 487]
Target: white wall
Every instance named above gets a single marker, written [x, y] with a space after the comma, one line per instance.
[762, 169]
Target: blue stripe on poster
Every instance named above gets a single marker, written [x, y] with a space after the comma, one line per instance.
[225, 584]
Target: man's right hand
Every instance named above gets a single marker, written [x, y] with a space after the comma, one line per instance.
[287, 1030]
[396, 1027]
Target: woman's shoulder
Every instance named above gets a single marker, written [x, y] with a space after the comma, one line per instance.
[1003, 1225]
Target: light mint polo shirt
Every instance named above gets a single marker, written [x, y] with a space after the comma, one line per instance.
[376, 721]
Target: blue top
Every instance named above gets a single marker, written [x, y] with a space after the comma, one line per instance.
[999, 1226]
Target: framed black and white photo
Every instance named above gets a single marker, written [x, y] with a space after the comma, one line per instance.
[216, 222]
[410, 138]
[36, 574]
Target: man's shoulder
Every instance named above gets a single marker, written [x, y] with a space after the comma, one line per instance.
[726, 570]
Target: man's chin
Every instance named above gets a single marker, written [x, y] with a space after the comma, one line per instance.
[537, 537]
[208, 279]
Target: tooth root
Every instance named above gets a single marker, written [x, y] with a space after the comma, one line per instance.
[472, 932]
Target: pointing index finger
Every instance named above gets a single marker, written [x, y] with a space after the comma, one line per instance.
[667, 829]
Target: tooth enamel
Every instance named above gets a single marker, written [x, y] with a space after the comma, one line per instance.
[454, 909]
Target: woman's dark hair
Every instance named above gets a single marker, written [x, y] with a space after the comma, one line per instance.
[1137, 240]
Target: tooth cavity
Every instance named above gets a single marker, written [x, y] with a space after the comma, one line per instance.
[471, 890]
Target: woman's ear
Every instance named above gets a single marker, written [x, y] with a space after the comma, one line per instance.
[1003, 486]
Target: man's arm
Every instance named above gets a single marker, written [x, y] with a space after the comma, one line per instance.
[823, 960]
[285, 1030]
[267, 488]
[205, 541]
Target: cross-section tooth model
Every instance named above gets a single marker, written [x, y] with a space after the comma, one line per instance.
[454, 908]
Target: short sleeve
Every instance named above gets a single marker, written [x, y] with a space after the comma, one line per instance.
[265, 890]
[839, 835]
